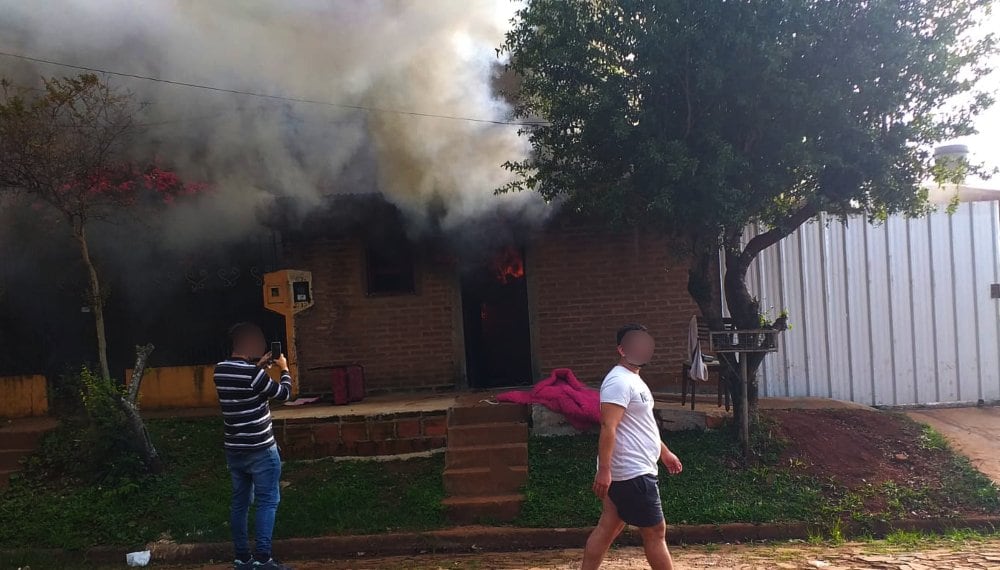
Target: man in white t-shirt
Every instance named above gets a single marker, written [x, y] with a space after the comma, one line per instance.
[629, 448]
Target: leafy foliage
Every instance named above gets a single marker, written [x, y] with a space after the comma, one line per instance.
[95, 447]
[700, 118]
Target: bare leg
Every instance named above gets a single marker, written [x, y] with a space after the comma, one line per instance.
[654, 542]
[608, 529]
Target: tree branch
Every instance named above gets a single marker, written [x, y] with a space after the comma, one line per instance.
[765, 240]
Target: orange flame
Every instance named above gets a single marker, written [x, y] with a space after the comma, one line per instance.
[508, 266]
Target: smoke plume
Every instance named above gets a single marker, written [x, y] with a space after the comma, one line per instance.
[430, 58]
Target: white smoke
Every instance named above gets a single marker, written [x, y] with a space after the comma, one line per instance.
[425, 56]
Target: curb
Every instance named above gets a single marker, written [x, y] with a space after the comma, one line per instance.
[506, 539]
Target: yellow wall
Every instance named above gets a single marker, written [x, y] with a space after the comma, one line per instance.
[23, 396]
[180, 387]
[176, 387]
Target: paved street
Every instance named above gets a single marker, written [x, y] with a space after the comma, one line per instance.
[938, 555]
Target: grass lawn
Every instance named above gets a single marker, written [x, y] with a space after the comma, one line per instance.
[708, 491]
[190, 502]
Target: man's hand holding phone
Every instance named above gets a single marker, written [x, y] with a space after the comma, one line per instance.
[282, 362]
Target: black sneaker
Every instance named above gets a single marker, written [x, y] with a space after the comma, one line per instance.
[241, 565]
[271, 564]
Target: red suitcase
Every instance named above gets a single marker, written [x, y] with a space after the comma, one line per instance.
[348, 384]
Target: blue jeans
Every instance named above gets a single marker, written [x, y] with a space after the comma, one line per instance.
[256, 474]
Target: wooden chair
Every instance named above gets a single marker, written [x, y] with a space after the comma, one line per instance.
[711, 362]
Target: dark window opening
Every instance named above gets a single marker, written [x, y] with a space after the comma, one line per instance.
[390, 271]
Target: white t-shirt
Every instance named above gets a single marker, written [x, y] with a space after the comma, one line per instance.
[637, 440]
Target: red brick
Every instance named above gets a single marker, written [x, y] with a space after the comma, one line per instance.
[297, 442]
[408, 428]
[584, 282]
[367, 448]
[435, 426]
[409, 446]
[378, 431]
[419, 444]
[354, 432]
[327, 434]
[391, 447]
[346, 449]
[402, 340]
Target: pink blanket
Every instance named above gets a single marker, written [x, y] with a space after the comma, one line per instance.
[562, 393]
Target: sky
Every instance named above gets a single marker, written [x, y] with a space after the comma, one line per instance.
[985, 146]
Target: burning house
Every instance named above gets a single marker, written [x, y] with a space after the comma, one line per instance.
[443, 312]
[430, 282]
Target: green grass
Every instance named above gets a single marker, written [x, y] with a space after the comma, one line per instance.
[905, 539]
[932, 439]
[190, 502]
[709, 491]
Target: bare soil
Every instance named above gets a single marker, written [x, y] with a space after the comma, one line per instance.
[865, 450]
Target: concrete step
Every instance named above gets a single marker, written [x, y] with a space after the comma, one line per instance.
[487, 434]
[486, 414]
[10, 459]
[483, 510]
[509, 455]
[484, 481]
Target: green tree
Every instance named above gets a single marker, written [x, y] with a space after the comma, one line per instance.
[699, 118]
[67, 147]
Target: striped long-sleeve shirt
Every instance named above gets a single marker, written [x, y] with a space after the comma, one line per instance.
[244, 390]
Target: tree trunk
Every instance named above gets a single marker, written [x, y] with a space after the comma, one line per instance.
[703, 285]
[130, 407]
[744, 309]
[94, 298]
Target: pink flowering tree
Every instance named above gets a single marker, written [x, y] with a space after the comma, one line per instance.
[67, 148]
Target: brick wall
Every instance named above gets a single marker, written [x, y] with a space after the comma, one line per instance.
[587, 283]
[583, 285]
[389, 434]
[405, 342]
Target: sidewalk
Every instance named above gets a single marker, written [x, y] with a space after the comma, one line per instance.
[973, 432]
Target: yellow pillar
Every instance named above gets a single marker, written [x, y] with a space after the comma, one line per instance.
[289, 292]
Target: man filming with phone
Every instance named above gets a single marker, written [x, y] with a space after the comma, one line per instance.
[245, 388]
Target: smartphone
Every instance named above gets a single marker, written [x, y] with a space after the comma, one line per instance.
[275, 350]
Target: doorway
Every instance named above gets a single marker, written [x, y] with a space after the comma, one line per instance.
[497, 330]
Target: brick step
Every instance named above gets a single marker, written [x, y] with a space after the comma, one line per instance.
[5, 477]
[484, 481]
[10, 459]
[478, 415]
[487, 434]
[508, 455]
[481, 510]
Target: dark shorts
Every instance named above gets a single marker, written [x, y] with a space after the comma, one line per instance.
[637, 501]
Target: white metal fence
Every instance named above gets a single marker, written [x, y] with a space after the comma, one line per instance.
[892, 314]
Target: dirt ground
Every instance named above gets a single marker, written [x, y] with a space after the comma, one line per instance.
[861, 449]
[975, 432]
[974, 555]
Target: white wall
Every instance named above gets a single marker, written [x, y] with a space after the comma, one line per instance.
[892, 314]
